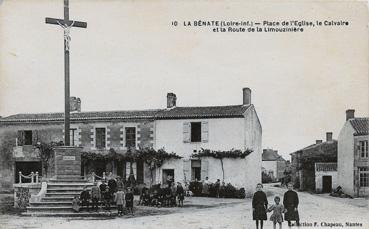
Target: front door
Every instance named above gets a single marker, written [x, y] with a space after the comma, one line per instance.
[327, 184]
[100, 167]
[168, 176]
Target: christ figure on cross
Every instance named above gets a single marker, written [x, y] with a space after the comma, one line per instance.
[66, 24]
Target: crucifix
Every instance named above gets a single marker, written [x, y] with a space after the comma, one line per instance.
[66, 24]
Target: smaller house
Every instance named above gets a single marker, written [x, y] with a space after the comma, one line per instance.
[273, 164]
[353, 160]
[303, 162]
[325, 177]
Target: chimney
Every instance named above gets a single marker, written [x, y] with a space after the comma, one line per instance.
[318, 141]
[246, 96]
[329, 136]
[171, 100]
[75, 104]
[350, 113]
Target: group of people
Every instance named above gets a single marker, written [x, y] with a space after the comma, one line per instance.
[105, 193]
[289, 207]
[166, 195]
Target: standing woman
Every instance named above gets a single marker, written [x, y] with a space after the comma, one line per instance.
[291, 202]
[259, 206]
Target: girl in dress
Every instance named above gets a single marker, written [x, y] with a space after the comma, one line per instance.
[259, 206]
[278, 210]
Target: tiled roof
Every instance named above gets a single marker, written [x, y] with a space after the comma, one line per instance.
[328, 166]
[80, 116]
[361, 125]
[203, 112]
[318, 147]
[174, 113]
[271, 155]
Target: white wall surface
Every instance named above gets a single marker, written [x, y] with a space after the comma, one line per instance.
[345, 159]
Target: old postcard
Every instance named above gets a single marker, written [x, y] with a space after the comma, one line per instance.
[184, 114]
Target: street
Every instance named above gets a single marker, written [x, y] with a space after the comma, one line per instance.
[319, 210]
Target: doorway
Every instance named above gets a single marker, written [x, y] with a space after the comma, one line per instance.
[168, 176]
[196, 170]
[100, 167]
[26, 167]
[327, 184]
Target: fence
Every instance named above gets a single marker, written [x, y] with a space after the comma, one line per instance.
[33, 177]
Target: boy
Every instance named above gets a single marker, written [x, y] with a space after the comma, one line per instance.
[85, 198]
[129, 200]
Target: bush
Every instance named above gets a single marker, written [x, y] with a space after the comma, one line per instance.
[196, 188]
[226, 191]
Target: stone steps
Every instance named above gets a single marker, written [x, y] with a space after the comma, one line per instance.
[58, 199]
[71, 214]
[62, 208]
[56, 203]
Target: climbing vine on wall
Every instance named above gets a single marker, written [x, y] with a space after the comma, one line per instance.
[218, 154]
[152, 158]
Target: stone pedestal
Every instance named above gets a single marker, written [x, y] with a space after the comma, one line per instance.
[67, 161]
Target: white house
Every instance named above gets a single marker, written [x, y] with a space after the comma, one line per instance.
[353, 163]
[187, 130]
[274, 164]
[325, 177]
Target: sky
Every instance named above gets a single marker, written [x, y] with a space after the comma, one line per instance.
[130, 57]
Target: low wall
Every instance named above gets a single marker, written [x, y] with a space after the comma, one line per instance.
[23, 192]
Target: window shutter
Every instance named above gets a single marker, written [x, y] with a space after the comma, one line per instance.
[186, 132]
[128, 169]
[205, 131]
[140, 172]
[20, 137]
[186, 170]
[34, 137]
[204, 169]
[134, 168]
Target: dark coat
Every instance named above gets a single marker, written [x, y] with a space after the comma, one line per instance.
[129, 200]
[85, 195]
[260, 206]
[290, 202]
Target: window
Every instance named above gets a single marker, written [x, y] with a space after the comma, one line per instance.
[363, 149]
[196, 170]
[28, 137]
[130, 137]
[73, 136]
[195, 131]
[100, 140]
[364, 176]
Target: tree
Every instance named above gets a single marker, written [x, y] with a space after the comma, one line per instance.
[46, 152]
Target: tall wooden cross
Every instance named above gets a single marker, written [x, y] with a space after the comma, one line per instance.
[66, 24]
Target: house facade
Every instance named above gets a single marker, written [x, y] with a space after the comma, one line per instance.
[95, 132]
[182, 130]
[353, 161]
[325, 177]
[303, 162]
[274, 164]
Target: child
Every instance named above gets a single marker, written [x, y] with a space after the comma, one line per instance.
[75, 204]
[259, 206]
[291, 203]
[180, 194]
[107, 198]
[119, 200]
[85, 198]
[129, 200]
[278, 210]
